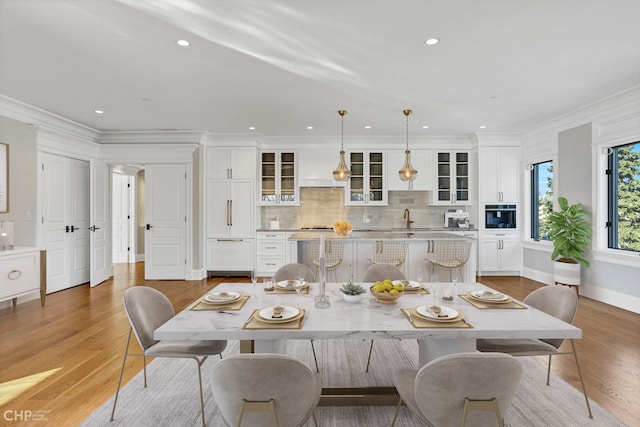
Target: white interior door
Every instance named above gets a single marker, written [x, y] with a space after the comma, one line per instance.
[79, 244]
[120, 218]
[64, 185]
[99, 229]
[165, 218]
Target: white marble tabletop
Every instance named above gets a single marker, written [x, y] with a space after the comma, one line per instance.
[365, 319]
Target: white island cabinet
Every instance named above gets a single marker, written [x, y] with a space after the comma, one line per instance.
[20, 274]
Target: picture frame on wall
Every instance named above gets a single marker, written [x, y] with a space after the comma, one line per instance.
[4, 177]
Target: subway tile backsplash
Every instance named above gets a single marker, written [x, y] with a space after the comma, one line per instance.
[323, 206]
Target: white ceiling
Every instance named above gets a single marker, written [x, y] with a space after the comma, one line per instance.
[283, 65]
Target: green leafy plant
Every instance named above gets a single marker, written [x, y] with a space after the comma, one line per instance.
[570, 233]
[351, 289]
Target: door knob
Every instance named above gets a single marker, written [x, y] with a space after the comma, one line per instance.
[94, 228]
[149, 226]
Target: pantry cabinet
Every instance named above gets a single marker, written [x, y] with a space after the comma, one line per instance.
[230, 208]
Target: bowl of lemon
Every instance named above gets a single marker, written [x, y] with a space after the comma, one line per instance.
[342, 228]
[386, 292]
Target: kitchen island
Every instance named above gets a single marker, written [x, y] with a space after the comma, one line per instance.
[359, 247]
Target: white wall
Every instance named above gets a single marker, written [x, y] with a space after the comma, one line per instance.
[22, 179]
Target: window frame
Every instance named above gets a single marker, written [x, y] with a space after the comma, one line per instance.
[612, 198]
[534, 192]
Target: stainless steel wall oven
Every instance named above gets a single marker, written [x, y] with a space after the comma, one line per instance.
[500, 216]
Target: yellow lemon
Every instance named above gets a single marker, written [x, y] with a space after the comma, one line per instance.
[398, 287]
[393, 292]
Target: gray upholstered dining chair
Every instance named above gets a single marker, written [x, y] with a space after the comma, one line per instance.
[291, 272]
[246, 386]
[147, 309]
[472, 389]
[381, 272]
[558, 301]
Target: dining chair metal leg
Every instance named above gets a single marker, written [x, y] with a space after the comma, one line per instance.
[481, 405]
[124, 359]
[315, 420]
[395, 414]
[313, 349]
[199, 362]
[369, 358]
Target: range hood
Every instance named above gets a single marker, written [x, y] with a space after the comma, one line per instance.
[320, 183]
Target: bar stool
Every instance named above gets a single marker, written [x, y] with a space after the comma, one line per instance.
[333, 253]
[448, 254]
[393, 253]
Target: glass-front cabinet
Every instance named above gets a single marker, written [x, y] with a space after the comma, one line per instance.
[278, 178]
[366, 186]
[452, 178]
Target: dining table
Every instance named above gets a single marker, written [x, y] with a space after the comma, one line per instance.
[364, 319]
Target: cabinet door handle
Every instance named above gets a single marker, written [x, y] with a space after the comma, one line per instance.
[14, 274]
[231, 213]
[231, 173]
[228, 211]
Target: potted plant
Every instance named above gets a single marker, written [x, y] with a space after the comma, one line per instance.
[570, 233]
[352, 292]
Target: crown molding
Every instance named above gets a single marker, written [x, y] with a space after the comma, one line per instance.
[151, 137]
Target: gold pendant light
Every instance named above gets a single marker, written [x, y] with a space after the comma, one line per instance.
[342, 172]
[407, 173]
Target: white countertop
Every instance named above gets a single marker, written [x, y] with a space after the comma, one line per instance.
[384, 235]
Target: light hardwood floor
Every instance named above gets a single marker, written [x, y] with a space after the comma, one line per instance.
[79, 336]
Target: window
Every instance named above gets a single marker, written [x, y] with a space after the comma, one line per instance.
[541, 199]
[623, 175]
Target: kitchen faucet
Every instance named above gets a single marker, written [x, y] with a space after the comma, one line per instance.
[407, 216]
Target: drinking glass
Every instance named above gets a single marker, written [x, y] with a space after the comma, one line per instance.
[254, 280]
[454, 279]
[419, 277]
[298, 287]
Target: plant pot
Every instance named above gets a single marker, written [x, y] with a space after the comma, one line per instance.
[566, 273]
[352, 298]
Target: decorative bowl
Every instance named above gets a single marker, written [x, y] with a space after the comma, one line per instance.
[386, 297]
[343, 233]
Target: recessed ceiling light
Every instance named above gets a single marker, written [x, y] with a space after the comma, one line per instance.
[98, 111]
[183, 43]
[483, 126]
[432, 41]
[367, 127]
[252, 128]
[309, 127]
[425, 127]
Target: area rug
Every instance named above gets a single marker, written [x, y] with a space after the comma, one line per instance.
[171, 398]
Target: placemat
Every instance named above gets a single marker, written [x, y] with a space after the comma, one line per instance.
[253, 322]
[481, 304]
[235, 305]
[419, 322]
[417, 290]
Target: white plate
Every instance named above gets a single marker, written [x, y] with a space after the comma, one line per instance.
[450, 313]
[408, 284]
[290, 284]
[288, 313]
[221, 297]
[493, 297]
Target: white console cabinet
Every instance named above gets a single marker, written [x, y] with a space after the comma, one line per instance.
[20, 273]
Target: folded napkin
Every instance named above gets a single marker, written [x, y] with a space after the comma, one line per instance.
[435, 311]
[220, 296]
[491, 295]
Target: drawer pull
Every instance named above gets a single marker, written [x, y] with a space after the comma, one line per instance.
[271, 247]
[14, 274]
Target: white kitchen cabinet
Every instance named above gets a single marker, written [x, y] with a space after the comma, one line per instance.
[499, 174]
[230, 209]
[452, 178]
[271, 252]
[422, 161]
[20, 274]
[500, 253]
[367, 184]
[278, 178]
[231, 163]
